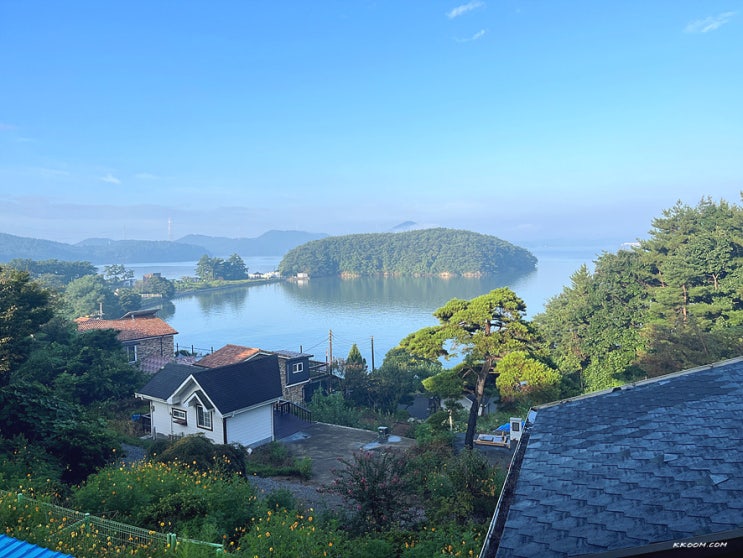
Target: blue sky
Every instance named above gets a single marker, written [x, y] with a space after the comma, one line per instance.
[533, 120]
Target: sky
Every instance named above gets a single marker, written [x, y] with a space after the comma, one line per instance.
[531, 120]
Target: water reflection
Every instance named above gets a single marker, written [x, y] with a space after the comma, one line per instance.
[401, 292]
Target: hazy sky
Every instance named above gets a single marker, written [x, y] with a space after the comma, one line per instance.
[526, 119]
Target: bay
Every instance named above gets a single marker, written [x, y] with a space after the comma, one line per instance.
[330, 314]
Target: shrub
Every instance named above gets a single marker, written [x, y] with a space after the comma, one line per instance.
[377, 482]
[275, 460]
[281, 499]
[334, 409]
[170, 497]
[202, 454]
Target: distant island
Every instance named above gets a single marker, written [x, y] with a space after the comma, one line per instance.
[189, 248]
[437, 251]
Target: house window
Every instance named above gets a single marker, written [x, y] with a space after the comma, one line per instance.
[179, 416]
[131, 352]
[297, 367]
[203, 417]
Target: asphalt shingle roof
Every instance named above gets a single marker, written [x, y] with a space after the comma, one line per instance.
[243, 384]
[658, 461]
[164, 383]
[231, 388]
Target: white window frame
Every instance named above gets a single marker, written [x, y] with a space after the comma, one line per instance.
[131, 351]
[179, 416]
[297, 367]
[204, 418]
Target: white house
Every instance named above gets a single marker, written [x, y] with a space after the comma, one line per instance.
[227, 404]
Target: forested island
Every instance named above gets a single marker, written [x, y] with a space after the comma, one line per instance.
[437, 251]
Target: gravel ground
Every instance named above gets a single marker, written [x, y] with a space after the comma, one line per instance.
[307, 495]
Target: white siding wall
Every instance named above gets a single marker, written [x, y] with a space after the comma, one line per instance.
[163, 425]
[162, 422]
[251, 428]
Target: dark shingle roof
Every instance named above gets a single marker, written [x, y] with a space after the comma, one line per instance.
[229, 388]
[243, 384]
[166, 381]
[658, 461]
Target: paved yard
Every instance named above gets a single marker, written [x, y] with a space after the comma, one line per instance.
[325, 443]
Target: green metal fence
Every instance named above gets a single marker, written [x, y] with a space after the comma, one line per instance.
[107, 531]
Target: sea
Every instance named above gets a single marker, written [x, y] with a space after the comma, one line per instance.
[326, 316]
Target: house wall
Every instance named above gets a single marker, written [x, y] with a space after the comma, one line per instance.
[156, 346]
[252, 428]
[292, 383]
[163, 425]
[295, 394]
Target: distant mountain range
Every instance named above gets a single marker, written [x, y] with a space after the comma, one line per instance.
[188, 248]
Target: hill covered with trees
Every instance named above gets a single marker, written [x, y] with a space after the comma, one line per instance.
[188, 248]
[675, 301]
[421, 252]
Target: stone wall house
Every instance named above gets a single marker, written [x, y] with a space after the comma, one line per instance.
[145, 337]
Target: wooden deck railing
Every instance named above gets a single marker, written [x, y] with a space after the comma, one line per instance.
[290, 408]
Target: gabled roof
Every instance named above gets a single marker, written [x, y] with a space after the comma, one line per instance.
[242, 385]
[164, 383]
[654, 462]
[229, 354]
[229, 388]
[130, 327]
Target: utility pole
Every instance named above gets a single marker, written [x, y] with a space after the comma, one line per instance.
[330, 349]
[372, 347]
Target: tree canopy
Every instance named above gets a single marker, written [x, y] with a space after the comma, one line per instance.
[422, 252]
[24, 307]
[674, 301]
[482, 331]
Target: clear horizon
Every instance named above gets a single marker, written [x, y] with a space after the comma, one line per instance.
[525, 120]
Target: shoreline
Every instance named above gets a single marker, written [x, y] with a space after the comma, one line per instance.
[226, 286]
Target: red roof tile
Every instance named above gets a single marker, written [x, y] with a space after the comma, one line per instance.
[229, 354]
[130, 329]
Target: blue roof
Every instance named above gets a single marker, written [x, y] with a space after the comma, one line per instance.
[13, 548]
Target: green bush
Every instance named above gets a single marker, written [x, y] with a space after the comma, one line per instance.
[281, 499]
[378, 484]
[202, 454]
[170, 497]
[275, 460]
[334, 409]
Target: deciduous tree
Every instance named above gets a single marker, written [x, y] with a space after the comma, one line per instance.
[24, 307]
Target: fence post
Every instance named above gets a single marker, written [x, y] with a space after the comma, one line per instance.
[170, 539]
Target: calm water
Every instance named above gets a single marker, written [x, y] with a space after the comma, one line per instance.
[365, 311]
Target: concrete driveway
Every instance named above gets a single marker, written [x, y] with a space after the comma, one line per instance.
[325, 443]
